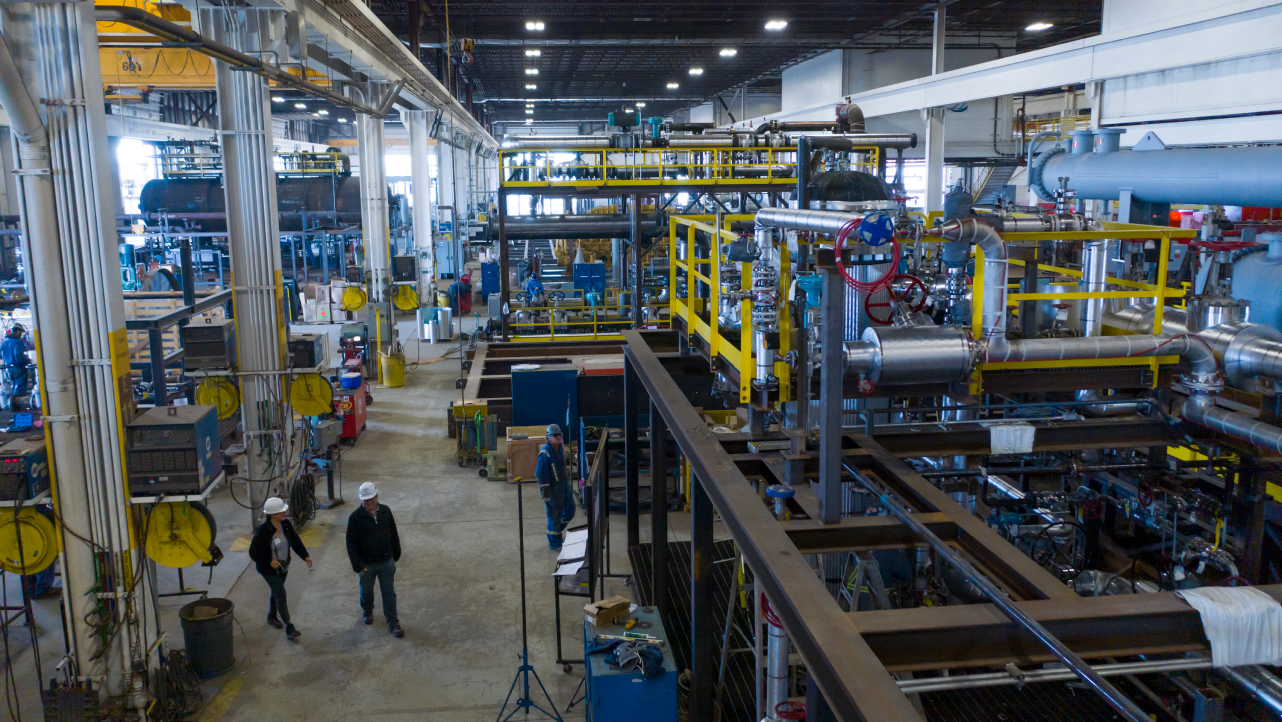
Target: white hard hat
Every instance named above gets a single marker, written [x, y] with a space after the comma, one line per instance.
[367, 491]
[275, 505]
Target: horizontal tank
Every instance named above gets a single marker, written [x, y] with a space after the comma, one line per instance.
[179, 196]
[1257, 277]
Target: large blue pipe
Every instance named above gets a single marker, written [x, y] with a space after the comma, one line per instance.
[1239, 176]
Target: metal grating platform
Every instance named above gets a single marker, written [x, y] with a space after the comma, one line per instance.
[738, 700]
[1031, 703]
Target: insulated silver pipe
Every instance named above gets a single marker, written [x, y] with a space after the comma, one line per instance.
[1258, 681]
[561, 142]
[777, 648]
[1053, 674]
[1196, 350]
[1095, 258]
[805, 220]
[988, 240]
[1201, 410]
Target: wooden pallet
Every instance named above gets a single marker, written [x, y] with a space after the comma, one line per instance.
[145, 308]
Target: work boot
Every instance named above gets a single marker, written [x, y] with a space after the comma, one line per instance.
[291, 633]
[367, 617]
[273, 621]
[395, 629]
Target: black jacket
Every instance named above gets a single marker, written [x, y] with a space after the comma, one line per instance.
[372, 538]
[260, 548]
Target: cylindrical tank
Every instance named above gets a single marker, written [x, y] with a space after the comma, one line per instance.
[1257, 277]
[830, 190]
[178, 196]
[1241, 176]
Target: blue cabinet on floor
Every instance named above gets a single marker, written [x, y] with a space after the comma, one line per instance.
[547, 395]
[613, 695]
[589, 276]
[489, 279]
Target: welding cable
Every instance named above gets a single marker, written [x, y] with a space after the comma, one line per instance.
[769, 613]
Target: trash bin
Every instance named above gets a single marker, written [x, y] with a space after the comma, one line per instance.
[207, 633]
[393, 369]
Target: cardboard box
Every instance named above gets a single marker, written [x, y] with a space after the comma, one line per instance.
[607, 611]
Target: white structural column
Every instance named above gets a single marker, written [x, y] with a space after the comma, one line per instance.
[445, 180]
[371, 145]
[416, 122]
[934, 120]
[68, 214]
[253, 235]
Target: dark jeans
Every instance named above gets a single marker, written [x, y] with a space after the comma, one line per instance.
[385, 573]
[277, 607]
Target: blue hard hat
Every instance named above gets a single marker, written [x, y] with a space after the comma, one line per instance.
[554, 430]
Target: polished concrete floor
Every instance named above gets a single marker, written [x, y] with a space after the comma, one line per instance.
[458, 585]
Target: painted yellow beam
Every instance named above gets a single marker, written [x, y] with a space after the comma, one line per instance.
[149, 67]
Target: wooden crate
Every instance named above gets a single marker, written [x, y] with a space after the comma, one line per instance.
[523, 454]
[144, 308]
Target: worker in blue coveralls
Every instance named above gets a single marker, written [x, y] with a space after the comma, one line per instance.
[533, 286]
[554, 486]
[13, 353]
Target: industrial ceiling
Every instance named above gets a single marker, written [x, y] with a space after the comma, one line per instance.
[595, 57]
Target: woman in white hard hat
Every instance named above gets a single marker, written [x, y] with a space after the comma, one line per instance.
[270, 548]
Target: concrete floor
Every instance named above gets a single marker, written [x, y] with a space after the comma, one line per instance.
[458, 586]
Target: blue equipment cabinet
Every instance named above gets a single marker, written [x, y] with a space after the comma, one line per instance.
[547, 395]
[489, 280]
[589, 276]
[613, 695]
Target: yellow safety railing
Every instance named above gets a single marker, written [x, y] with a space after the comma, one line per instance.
[639, 167]
[693, 309]
[1138, 290]
[312, 163]
[1060, 126]
[177, 165]
[602, 326]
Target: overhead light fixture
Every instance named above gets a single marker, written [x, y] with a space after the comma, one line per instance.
[1038, 27]
[533, 53]
[629, 110]
[531, 86]
[529, 121]
[300, 106]
[322, 112]
[342, 120]
[534, 25]
[529, 112]
[531, 71]
[776, 24]
[696, 71]
[640, 105]
[729, 52]
[673, 86]
[277, 99]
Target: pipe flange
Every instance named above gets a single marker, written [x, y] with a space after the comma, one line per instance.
[1203, 384]
[1239, 362]
[1035, 180]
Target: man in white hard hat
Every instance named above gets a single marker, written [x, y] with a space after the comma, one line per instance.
[269, 549]
[554, 486]
[374, 547]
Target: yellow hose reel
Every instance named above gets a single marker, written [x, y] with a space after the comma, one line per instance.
[405, 298]
[311, 395]
[180, 534]
[28, 542]
[353, 299]
[219, 393]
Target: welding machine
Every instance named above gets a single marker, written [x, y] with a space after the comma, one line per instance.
[173, 450]
[24, 469]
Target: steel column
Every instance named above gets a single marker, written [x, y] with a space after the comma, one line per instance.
[632, 452]
[658, 508]
[505, 290]
[831, 374]
[703, 632]
[634, 221]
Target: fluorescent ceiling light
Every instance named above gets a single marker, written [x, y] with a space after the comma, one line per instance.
[640, 105]
[531, 86]
[729, 52]
[1038, 27]
[533, 53]
[534, 25]
[776, 24]
[629, 110]
[277, 99]
[300, 106]
[342, 120]
[528, 121]
[322, 112]
[673, 86]
[529, 112]
[696, 71]
[531, 71]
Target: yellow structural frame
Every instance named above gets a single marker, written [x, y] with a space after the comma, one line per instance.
[1112, 231]
[740, 355]
[597, 321]
[719, 166]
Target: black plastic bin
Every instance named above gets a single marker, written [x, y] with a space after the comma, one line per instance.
[207, 632]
